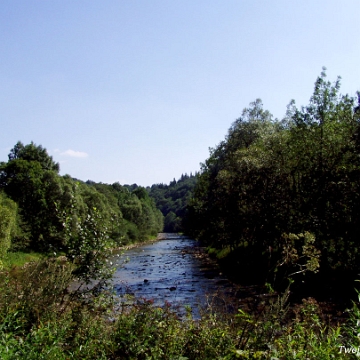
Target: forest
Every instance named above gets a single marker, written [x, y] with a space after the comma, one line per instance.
[277, 202]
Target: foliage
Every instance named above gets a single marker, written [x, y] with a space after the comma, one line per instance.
[300, 258]
[57, 215]
[279, 197]
[31, 152]
[172, 201]
[269, 178]
[40, 319]
[8, 212]
[53, 210]
[88, 249]
[19, 258]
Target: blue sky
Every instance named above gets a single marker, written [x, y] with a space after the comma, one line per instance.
[136, 91]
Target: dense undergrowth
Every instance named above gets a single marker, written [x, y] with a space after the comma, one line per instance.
[40, 318]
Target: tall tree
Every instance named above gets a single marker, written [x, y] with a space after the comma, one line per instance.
[32, 152]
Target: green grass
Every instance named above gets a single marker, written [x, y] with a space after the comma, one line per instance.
[219, 253]
[18, 259]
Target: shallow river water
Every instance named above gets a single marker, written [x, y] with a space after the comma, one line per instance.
[174, 270]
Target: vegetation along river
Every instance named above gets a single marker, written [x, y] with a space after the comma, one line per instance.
[175, 270]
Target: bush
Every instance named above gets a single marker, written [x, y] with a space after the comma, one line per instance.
[40, 318]
[8, 211]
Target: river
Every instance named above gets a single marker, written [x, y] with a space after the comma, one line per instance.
[175, 270]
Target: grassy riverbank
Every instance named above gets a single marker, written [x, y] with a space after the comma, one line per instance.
[20, 258]
[136, 244]
[40, 320]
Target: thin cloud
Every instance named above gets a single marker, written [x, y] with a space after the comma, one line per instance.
[73, 153]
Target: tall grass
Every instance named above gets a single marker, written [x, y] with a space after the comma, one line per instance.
[19, 259]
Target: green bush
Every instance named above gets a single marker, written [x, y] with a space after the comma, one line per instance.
[8, 211]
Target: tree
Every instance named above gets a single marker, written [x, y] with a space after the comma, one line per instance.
[31, 152]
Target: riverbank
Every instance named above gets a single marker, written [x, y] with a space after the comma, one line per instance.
[39, 318]
[135, 244]
[160, 236]
[21, 258]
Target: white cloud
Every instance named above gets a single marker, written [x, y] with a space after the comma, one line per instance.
[72, 153]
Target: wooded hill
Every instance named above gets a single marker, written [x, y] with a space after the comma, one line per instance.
[172, 200]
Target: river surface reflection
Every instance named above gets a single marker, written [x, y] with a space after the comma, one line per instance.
[173, 270]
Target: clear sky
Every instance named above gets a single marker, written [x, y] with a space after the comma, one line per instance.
[136, 91]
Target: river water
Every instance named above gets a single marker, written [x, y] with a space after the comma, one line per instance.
[174, 270]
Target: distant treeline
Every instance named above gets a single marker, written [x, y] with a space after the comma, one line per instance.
[283, 196]
[43, 211]
[172, 200]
